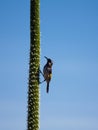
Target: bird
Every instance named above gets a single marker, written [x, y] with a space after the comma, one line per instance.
[47, 72]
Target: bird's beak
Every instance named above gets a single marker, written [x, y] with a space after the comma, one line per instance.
[46, 57]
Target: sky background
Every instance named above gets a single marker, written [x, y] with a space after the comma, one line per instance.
[69, 35]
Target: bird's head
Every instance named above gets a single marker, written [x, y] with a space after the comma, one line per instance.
[49, 61]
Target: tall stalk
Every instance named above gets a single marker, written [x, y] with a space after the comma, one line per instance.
[34, 64]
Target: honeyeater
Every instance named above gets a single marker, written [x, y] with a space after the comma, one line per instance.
[47, 72]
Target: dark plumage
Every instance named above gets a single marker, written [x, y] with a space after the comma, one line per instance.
[47, 72]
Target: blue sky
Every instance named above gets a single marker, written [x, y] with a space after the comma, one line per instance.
[69, 35]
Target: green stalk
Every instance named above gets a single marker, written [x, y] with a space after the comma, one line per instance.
[34, 65]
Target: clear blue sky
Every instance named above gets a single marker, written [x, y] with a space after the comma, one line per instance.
[69, 35]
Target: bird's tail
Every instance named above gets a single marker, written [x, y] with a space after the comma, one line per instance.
[47, 89]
